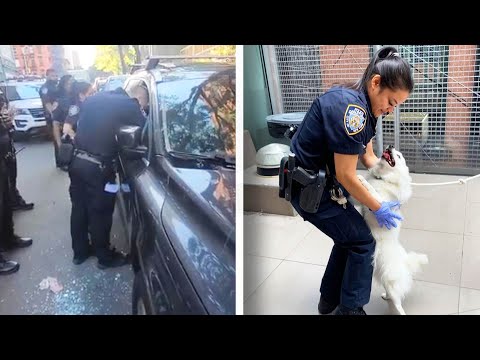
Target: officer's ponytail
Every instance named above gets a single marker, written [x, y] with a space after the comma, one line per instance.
[393, 69]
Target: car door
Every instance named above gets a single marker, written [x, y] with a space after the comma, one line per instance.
[131, 176]
[168, 288]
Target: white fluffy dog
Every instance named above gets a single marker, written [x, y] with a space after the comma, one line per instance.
[389, 180]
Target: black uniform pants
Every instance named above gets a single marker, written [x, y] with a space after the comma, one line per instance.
[92, 207]
[11, 163]
[6, 215]
[348, 276]
[55, 151]
[52, 138]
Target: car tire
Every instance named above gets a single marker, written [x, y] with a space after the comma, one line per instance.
[134, 257]
[140, 304]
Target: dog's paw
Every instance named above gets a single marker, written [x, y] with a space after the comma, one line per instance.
[385, 296]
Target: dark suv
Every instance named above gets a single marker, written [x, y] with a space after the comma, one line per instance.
[177, 196]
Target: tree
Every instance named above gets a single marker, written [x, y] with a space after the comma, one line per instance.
[138, 54]
[94, 73]
[108, 58]
[122, 59]
[224, 50]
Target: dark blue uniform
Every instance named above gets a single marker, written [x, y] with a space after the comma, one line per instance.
[6, 216]
[339, 121]
[48, 94]
[61, 111]
[92, 168]
[73, 115]
[59, 115]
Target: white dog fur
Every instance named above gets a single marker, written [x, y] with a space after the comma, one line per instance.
[393, 266]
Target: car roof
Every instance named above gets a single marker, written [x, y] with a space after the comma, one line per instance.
[36, 82]
[171, 71]
[117, 77]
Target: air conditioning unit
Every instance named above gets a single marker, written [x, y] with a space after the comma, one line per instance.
[413, 125]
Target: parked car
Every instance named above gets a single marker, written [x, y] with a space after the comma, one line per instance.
[177, 197]
[80, 75]
[25, 98]
[114, 82]
[99, 83]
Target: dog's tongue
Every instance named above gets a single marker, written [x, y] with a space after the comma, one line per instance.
[386, 155]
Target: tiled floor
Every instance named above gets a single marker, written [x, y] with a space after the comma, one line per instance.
[285, 257]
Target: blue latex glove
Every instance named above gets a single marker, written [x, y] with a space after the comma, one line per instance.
[385, 216]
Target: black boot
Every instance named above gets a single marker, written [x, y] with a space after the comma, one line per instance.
[342, 310]
[324, 307]
[80, 259]
[16, 242]
[8, 266]
[114, 259]
[20, 204]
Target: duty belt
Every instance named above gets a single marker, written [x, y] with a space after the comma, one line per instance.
[81, 154]
[312, 184]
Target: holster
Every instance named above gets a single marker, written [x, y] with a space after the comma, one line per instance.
[65, 153]
[107, 166]
[311, 184]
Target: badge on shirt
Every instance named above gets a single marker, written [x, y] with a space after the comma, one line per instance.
[73, 110]
[44, 91]
[355, 119]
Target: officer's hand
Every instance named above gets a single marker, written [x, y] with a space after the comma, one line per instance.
[385, 215]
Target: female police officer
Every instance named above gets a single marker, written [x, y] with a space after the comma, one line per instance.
[80, 91]
[59, 114]
[336, 131]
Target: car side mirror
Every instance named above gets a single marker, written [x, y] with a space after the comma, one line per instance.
[129, 139]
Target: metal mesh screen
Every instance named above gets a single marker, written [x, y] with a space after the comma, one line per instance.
[439, 125]
[299, 75]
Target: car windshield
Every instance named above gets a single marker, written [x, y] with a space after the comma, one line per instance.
[200, 114]
[23, 91]
[114, 83]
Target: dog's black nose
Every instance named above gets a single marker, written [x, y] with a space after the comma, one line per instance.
[390, 147]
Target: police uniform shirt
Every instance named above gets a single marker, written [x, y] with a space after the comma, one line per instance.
[340, 121]
[73, 114]
[101, 117]
[61, 111]
[48, 94]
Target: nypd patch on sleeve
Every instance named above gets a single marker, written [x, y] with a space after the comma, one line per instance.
[44, 91]
[355, 119]
[73, 110]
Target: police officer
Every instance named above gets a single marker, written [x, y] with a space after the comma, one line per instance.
[6, 117]
[48, 95]
[337, 131]
[93, 176]
[60, 113]
[8, 239]
[80, 91]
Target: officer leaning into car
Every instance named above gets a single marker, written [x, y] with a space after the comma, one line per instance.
[93, 176]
